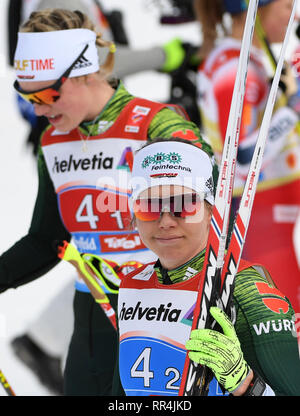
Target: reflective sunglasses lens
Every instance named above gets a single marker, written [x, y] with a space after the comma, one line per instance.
[191, 204]
[147, 209]
[180, 206]
[47, 96]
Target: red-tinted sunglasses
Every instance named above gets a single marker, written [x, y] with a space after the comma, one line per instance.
[181, 206]
[50, 94]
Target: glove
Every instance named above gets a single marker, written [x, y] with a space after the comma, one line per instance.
[220, 352]
[175, 55]
[289, 81]
[179, 54]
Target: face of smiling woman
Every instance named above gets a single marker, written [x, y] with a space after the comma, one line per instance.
[176, 240]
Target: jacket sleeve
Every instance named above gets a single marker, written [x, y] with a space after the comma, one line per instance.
[169, 124]
[265, 328]
[34, 255]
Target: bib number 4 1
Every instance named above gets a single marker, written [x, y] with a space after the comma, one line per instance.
[85, 210]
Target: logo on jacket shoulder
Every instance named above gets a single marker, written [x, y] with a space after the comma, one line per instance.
[136, 118]
[145, 274]
[82, 62]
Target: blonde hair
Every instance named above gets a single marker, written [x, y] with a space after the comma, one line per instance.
[210, 14]
[48, 20]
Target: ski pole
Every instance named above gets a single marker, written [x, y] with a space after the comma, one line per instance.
[5, 384]
[240, 227]
[194, 377]
[243, 216]
[68, 252]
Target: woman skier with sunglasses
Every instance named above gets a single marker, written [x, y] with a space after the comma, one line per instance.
[172, 199]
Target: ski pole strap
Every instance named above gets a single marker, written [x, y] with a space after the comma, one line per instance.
[68, 252]
[5, 384]
[104, 271]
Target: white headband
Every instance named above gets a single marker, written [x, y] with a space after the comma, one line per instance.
[172, 163]
[45, 56]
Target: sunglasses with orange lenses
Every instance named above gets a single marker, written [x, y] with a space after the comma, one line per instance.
[180, 206]
[49, 94]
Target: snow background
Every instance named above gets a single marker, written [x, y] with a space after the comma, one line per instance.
[18, 179]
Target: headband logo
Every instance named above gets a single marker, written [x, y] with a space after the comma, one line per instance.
[34, 64]
[164, 175]
[82, 62]
[160, 158]
[210, 185]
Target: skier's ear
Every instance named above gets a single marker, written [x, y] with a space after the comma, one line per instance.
[209, 209]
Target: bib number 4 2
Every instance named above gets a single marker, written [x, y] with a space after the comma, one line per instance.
[141, 369]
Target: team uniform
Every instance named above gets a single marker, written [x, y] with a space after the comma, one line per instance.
[155, 321]
[276, 205]
[74, 169]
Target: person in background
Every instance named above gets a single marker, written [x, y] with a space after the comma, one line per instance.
[276, 205]
[95, 126]
[167, 58]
